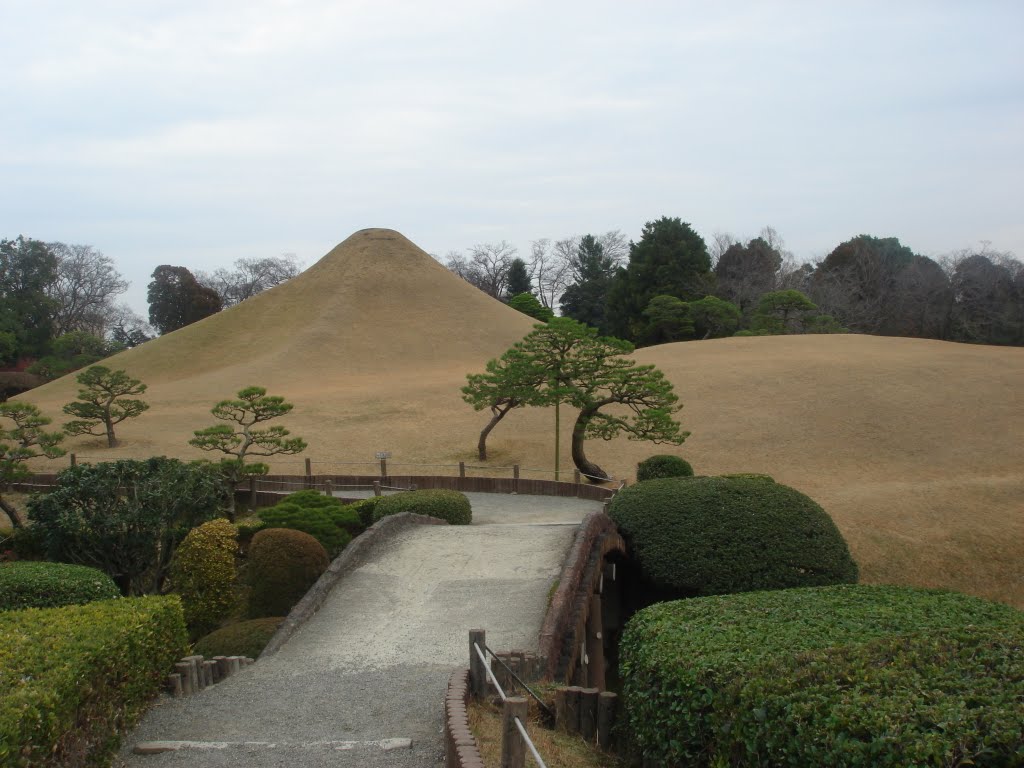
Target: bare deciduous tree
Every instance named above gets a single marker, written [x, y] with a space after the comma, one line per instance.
[486, 267]
[250, 277]
[84, 289]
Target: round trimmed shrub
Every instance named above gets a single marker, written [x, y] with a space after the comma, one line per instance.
[663, 465]
[433, 502]
[718, 535]
[325, 518]
[203, 574]
[246, 638]
[283, 565]
[30, 584]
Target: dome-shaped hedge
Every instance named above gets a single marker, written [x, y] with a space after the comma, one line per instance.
[718, 535]
[246, 638]
[28, 584]
[203, 573]
[283, 565]
[325, 518]
[433, 502]
[663, 465]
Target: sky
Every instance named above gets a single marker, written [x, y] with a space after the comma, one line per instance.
[196, 133]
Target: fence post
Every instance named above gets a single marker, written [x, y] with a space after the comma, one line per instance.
[477, 673]
[309, 474]
[515, 478]
[595, 644]
[328, 487]
[383, 469]
[606, 701]
[513, 749]
[588, 713]
[462, 469]
[74, 460]
[576, 481]
[252, 492]
[376, 487]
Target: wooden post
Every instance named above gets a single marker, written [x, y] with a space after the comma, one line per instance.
[561, 708]
[383, 469]
[572, 708]
[477, 672]
[376, 487]
[309, 467]
[182, 668]
[462, 469]
[174, 684]
[328, 487]
[576, 481]
[252, 492]
[606, 704]
[588, 713]
[595, 645]
[74, 460]
[513, 748]
[515, 478]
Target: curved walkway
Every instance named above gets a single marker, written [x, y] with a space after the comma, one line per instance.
[362, 682]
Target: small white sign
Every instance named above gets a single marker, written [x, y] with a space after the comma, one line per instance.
[383, 454]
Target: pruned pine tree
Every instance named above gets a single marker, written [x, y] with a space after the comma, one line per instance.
[241, 438]
[26, 439]
[104, 400]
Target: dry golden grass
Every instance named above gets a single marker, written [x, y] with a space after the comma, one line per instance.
[915, 447]
[559, 750]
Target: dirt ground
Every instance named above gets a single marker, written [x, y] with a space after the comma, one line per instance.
[913, 446]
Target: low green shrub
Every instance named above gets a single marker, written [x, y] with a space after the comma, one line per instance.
[841, 676]
[433, 502]
[325, 518]
[203, 574]
[283, 565]
[29, 584]
[717, 535]
[365, 508]
[246, 638]
[73, 678]
[663, 465]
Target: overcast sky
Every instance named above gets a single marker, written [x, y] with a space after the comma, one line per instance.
[195, 133]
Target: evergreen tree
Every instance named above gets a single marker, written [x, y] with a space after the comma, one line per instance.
[670, 259]
[176, 299]
[518, 279]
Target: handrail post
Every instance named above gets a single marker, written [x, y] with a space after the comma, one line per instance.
[513, 748]
[477, 673]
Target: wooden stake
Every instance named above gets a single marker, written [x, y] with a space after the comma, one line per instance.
[513, 748]
[477, 672]
[606, 705]
[588, 713]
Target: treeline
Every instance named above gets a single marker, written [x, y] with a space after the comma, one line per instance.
[59, 310]
[670, 286]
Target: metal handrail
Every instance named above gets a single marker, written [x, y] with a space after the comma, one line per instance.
[519, 723]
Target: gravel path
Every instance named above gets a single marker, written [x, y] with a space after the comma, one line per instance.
[371, 666]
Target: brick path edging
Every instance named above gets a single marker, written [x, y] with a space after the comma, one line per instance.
[460, 747]
[354, 555]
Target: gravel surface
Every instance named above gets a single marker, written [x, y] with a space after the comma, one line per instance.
[372, 664]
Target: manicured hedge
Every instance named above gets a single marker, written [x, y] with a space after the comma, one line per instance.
[717, 535]
[325, 518]
[283, 565]
[839, 676]
[203, 574]
[663, 465]
[433, 502]
[246, 638]
[364, 509]
[73, 677]
[28, 584]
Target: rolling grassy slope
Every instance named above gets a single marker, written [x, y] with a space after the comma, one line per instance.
[913, 446]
